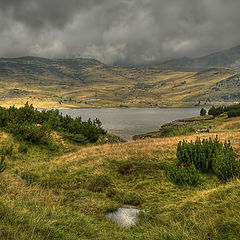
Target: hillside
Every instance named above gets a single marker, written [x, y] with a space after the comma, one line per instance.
[66, 193]
[90, 83]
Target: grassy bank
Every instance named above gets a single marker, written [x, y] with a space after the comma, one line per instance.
[194, 125]
[66, 193]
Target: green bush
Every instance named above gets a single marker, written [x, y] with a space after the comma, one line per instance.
[208, 155]
[75, 137]
[232, 110]
[31, 133]
[203, 112]
[201, 153]
[234, 113]
[29, 124]
[2, 163]
[29, 177]
[225, 166]
[23, 148]
[53, 146]
[126, 168]
[216, 111]
[184, 175]
[7, 150]
[234, 107]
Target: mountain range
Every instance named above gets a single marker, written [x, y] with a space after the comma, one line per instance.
[79, 82]
[229, 58]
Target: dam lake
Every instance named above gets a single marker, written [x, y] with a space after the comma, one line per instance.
[127, 122]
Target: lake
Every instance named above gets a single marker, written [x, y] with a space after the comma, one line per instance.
[127, 122]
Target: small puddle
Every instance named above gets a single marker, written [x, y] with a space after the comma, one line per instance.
[126, 217]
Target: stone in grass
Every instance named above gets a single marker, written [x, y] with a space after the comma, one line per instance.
[126, 217]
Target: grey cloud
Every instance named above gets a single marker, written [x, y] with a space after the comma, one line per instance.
[38, 13]
[118, 32]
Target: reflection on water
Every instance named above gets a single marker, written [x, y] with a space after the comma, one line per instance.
[127, 122]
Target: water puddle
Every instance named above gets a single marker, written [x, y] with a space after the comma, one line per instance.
[126, 217]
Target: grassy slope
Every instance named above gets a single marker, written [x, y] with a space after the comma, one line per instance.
[59, 198]
[89, 83]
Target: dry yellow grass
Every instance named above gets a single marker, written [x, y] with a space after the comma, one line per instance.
[111, 87]
[166, 147]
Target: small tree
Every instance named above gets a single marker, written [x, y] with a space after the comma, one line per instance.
[203, 112]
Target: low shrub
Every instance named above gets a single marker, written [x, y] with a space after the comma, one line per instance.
[7, 151]
[126, 168]
[205, 155]
[232, 110]
[234, 113]
[31, 133]
[29, 124]
[29, 177]
[226, 166]
[201, 153]
[233, 107]
[53, 146]
[203, 112]
[216, 111]
[2, 163]
[23, 148]
[184, 174]
[75, 137]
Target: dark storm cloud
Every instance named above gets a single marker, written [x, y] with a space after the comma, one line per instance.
[118, 31]
[38, 13]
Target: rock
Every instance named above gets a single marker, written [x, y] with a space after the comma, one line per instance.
[126, 217]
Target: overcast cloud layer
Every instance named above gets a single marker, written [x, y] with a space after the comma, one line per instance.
[118, 31]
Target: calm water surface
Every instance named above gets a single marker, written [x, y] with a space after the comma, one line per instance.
[127, 122]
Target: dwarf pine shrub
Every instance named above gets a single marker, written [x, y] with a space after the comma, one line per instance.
[201, 153]
[126, 168]
[2, 163]
[23, 148]
[209, 155]
[29, 124]
[184, 174]
[7, 150]
[225, 166]
[216, 111]
[29, 177]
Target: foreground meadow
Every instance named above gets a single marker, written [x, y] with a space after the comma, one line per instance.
[66, 193]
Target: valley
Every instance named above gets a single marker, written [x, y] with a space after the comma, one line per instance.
[64, 83]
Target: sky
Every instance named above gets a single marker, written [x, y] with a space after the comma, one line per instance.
[123, 32]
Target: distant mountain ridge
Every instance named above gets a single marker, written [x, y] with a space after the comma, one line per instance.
[229, 58]
[59, 68]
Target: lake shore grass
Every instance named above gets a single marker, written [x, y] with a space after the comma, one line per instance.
[65, 194]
